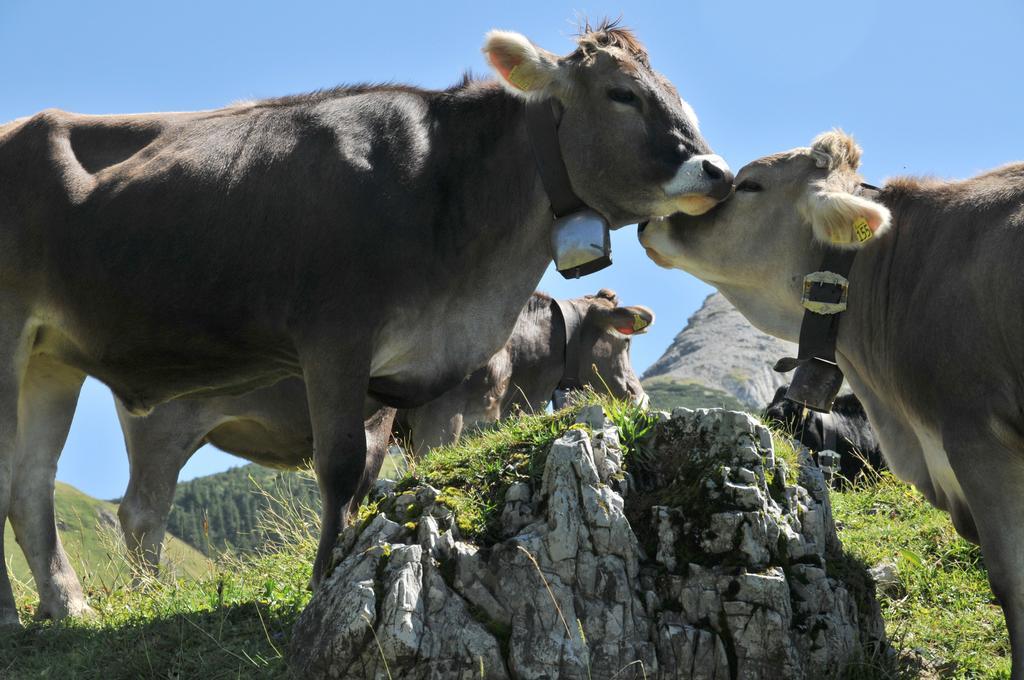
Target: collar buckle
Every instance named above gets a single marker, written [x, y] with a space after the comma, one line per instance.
[825, 292]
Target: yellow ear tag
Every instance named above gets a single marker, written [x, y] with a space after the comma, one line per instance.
[639, 323]
[520, 78]
[862, 230]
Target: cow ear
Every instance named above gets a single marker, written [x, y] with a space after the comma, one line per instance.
[627, 320]
[843, 219]
[522, 67]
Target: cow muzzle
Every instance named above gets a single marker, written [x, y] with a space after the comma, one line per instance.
[700, 184]
[581, 244]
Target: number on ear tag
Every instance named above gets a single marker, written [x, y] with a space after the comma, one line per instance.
[862, 230]
[521, 78]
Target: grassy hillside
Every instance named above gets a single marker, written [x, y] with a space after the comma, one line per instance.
[221, 512]
[232, 622]
[89, 531]
[943, 606]
[235, 620]
[667, 394]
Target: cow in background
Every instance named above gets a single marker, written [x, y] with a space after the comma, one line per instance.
[271, 426]
[845, 431]
[592, 333]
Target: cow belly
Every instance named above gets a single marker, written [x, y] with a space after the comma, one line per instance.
[155, 374]
[417, 358]
[263, 444]
[948, 494]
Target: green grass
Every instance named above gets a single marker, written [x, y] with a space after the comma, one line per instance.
[785, 450]
[667, 394]
[474, 474]
[234, 621]
[88, 527]
[946, 608]
[235, 618]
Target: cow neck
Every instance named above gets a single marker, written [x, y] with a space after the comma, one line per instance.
[565, 316]
[542, 130]
[818, 378]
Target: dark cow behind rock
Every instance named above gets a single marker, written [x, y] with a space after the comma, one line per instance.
[271, 426]
[377, 241]
[845, 431]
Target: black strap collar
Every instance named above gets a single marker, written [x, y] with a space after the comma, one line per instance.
[542, 129]
[818, 379]
[565, 314]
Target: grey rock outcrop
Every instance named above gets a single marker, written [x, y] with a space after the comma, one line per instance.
[719, 349]
[705, 561]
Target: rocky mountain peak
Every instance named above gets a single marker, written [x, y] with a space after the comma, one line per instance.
[719, 350]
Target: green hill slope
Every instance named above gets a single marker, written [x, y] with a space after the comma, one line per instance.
[222, 511]
[90, 531]
[667, 394]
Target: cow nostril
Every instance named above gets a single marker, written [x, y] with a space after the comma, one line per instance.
[713, 171]
[641, 226]
[721, 178]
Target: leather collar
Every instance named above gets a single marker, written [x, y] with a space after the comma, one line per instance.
[542, 129]
[564, 312]
[818, 378]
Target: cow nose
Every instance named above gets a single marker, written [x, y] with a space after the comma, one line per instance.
[712, 170]
[717, 171]
[641, 226]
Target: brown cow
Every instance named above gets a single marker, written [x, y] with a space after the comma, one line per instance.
[932, 335]
[376, 241]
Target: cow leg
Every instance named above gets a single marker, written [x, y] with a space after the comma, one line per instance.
[158, 446]
[992, 476]
[336, 386]
[9, 380]
[49, 395]
[378, 434]
[17, 335]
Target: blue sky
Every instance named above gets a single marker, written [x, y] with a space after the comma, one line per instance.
[926, 87]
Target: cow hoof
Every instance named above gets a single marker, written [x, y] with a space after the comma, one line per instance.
[63, 611]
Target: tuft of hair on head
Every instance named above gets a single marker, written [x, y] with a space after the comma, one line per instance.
[608, 294]
[609, 33]
[840, 148]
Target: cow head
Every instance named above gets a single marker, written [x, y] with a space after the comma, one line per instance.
[631, 145]
[605, 335]
[794, 420]
[757, 246]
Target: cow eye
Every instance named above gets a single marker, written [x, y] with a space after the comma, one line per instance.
[622, 95]
[749, 185]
